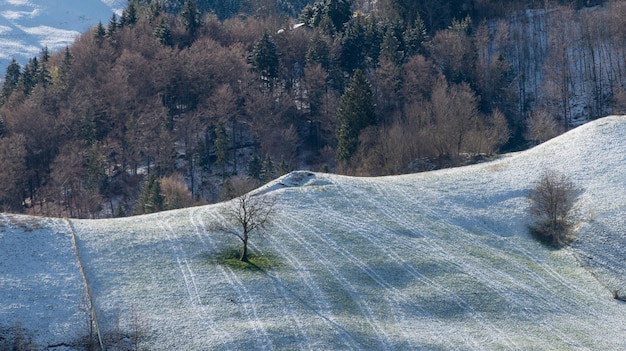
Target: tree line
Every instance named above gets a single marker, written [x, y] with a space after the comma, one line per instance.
[185, 96]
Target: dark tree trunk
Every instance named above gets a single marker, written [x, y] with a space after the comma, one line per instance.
[244, 251]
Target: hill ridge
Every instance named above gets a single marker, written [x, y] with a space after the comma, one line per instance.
[437, 260]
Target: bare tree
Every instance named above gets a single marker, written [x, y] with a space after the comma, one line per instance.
[247, 214]
[541, 127]
[552, 199]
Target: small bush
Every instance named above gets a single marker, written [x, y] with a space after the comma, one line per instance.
[552, 200]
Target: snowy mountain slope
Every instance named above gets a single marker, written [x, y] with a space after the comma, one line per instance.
[437, 260]
[27, 26]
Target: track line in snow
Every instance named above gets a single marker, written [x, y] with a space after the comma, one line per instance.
[481, 274]
[245, 298]
[363, 307]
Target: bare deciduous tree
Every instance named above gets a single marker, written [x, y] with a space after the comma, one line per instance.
[552, 199]
[541, 127]
[247, 214]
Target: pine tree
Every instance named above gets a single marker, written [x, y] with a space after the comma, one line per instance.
[254, 167]
[191, 18]
[150, 200]
[3, 128]
[66, 67]
[221, 147]
[284, 166]
[11, 80]
[163, 33]
[391, 48]
[414, 38]
[44, 77]
[129, 15]
[112, 26]
[267, 170]
[356, 112]
[330, 15]
[30, 76]
[99, 33]
[353, 45]
[318, 52]
[264, 59]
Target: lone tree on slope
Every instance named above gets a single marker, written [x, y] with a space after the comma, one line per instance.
[247, 214]
[552, 199]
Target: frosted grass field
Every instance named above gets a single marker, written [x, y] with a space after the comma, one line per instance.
[439, 260]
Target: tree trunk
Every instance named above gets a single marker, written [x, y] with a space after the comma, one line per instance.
[244, 252]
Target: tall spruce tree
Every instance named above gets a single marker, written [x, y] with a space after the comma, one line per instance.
[99, 33]
[11, 80]
[264, 59]
[150, 200]
[356, 112]
[191, 18]
[129, 15]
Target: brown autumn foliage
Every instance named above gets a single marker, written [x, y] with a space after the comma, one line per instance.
[80, 132]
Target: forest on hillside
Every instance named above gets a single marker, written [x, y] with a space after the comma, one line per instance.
[171, 103]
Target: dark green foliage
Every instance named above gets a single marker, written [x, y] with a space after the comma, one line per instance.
[356, 112]
[264, 59]
[415, 36]
[112, 26]
[150, 200]
[163, 33]
[255, 167]
[44, 77]
[30, 76]
[129, 15]
[3, 128]
[283, 168]
[353, 46]
[318, 52]
[221, 146]
[99, 33]
[191, 18]
[391, 47]
[331, 15]
[96, 177]
[268, 171]
[11, 80]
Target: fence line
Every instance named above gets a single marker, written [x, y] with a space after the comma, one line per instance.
[94, 318]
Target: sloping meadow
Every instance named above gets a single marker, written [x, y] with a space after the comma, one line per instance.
[438, 260]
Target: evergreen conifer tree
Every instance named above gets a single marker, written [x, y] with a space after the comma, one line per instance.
[129, 15]
[264, 59]
[112, 26]
[356, 112]
[163, 33]
[267, 170]
[11, 80]
[3, 128]
[191, 18]
[391, 48]
[99, 33]
[221, 147]
[254, 168]
[150, 200]
[44, 77]
[30, 76]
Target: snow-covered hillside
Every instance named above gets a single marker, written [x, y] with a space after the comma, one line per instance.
[27, 26]
[438, 260]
